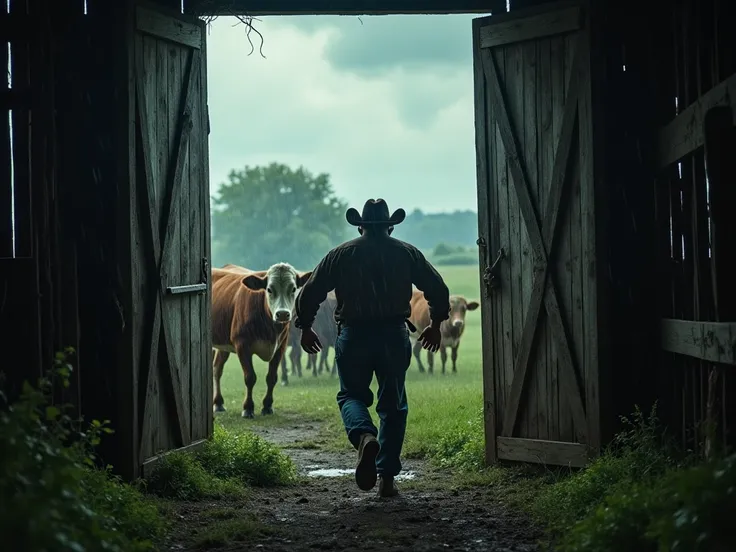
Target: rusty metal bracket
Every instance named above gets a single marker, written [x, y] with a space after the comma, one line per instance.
[490, 276]
[199, 288]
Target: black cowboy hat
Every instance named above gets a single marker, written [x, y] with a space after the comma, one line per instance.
[375, 211]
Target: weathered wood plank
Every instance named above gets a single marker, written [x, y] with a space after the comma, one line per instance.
[150, 464]
[181, 113]
[556, 453]
[568, 381]
[168, 28]
[184, 125]
[564, 144]
[546, 138]
[343, 7]
[148, 158]
[506, 238]
[206, 303]
[589, 224]
[508, 107]
[187, 252]
[528, 130]
[557, 94]
[516, 163]
[684, 134]
[199, 408]
[546, 24]
[711, 341]
[521, 357]
[482, 152]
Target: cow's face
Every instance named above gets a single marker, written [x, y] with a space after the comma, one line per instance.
[281, 283]
[458, 307]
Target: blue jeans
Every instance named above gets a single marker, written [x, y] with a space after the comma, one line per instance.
[359, 352]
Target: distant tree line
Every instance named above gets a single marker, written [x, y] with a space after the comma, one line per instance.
[267, 214]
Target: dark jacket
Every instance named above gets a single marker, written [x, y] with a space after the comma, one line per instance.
[372, 277]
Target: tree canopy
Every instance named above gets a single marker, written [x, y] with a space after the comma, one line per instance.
[269, 214]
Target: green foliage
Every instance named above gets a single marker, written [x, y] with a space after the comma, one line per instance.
[181, 476]
[246, 457]
[270, 214]
[701, 502]
[444, 254]
[683, 510]
[223, 467]
[638, 496]
[54, 499]
[618, 523]
[456, 259]
[464, 448]
[637, 454]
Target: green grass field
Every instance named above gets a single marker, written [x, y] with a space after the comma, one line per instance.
[438, 405]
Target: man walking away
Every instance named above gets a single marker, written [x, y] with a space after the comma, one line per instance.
[372, 276]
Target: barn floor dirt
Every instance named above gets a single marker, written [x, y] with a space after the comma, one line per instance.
[331, 513]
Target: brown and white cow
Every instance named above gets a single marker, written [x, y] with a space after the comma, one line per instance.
[326, 328]
[451, 329]
[251, 312]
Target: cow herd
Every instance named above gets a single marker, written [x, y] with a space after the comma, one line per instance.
[252, 314]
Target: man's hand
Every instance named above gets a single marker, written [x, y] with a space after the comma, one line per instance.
[430, 339]
[310, 341]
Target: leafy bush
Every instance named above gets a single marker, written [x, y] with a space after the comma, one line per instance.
[179, 475]
[246, 457]
[223, 467]
[683, 510]
[637, 496]
[53, 497]
[619, 523]
[636, 455]
[700, 505]
[463, 448]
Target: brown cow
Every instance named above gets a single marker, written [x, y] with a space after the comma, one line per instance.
[326, 328]
[451, 329]
[251, 312]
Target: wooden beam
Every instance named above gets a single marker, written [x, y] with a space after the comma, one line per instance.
[711, 341]
[684, 134]
[549, 23]
[555, 453]
[340, 7]
[150, 464]
[169, 28]
[482, 141]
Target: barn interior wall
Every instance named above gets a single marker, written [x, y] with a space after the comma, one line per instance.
[65, 288]
[681, 50]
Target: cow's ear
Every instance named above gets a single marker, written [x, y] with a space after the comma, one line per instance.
[472, 305]
[301, 279]
[255, 282]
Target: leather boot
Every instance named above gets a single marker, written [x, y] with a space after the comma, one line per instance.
[365, 472]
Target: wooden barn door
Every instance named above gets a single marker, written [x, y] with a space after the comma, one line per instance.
[535, 189]
[171, 235]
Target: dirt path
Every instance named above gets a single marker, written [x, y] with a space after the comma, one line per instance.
[331, 513]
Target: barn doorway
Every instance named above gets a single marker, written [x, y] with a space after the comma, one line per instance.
[538, 365]
[351, 121]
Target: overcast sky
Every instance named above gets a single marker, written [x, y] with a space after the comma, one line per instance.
[385, 107]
